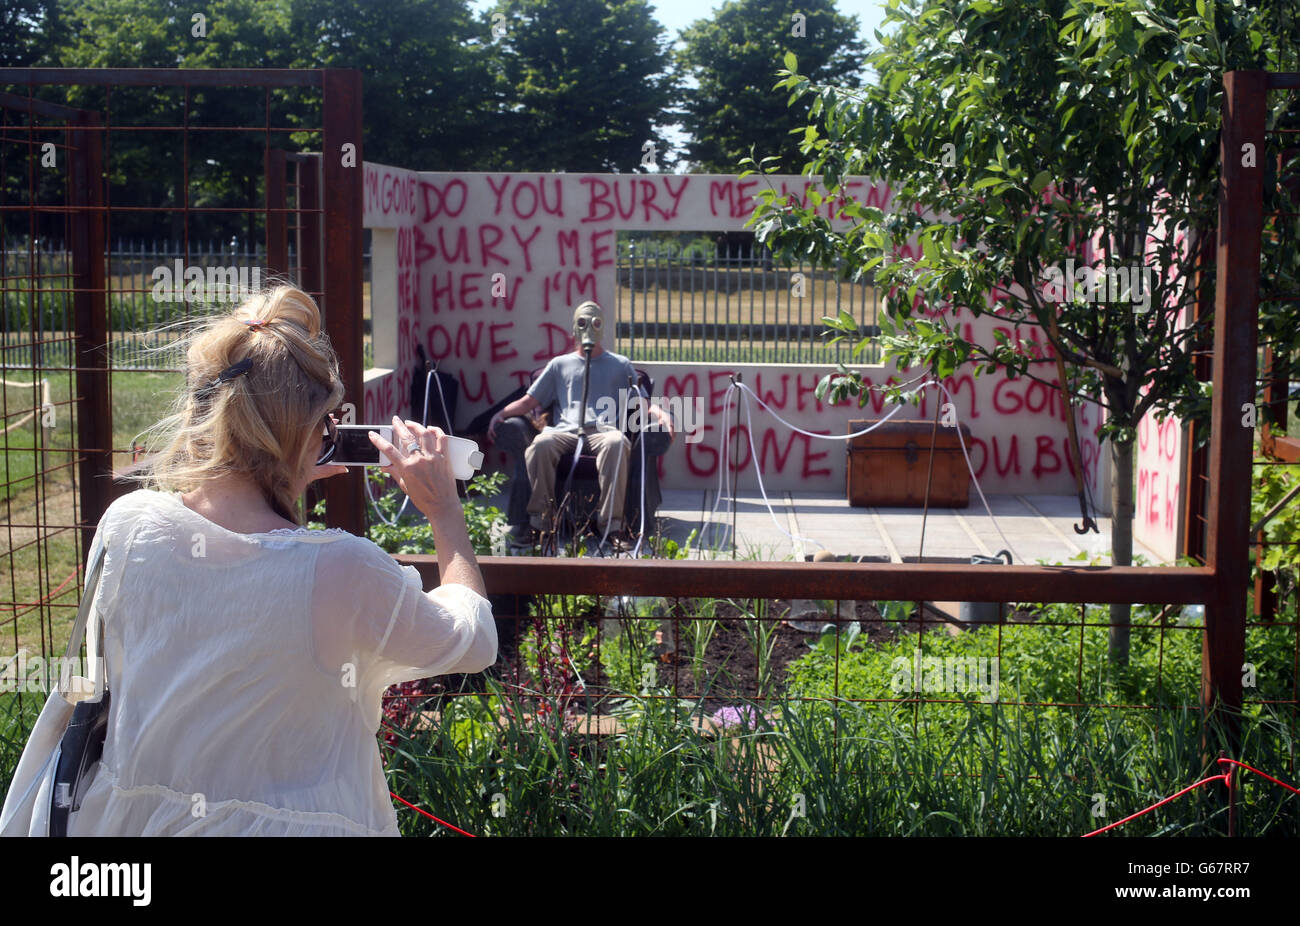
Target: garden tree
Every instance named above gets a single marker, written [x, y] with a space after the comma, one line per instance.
[414, 54]
[1028, 128]
[733, 57]
[147, 167]
[28, 28]
[425, 77]
[581, 86]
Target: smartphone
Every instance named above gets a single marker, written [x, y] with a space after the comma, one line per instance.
[352, 446]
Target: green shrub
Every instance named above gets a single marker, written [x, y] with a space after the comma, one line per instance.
[412, 535]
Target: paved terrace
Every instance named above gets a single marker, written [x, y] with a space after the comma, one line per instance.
[1037, 527]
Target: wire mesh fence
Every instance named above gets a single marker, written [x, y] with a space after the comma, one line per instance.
[702, 637]
[85, 279]
[1019, 713]
[152, 284]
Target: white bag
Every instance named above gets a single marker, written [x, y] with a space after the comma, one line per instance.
[27, 805]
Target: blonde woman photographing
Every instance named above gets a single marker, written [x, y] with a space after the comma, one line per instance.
[245, 654]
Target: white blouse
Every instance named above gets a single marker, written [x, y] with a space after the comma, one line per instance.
[245, 674]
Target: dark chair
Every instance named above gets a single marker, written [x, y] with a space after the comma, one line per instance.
[515, 434]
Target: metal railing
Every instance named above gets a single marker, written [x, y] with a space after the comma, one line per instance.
[709, 302]
[144, 295]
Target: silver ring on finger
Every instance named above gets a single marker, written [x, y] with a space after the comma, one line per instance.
[413, 446]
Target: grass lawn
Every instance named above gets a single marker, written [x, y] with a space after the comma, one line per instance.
[45, 561]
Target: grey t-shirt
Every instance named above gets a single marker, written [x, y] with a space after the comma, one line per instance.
[561, 383]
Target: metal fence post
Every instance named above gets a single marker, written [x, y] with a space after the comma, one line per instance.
[343, 185]
[1236, 305]
[94, 412]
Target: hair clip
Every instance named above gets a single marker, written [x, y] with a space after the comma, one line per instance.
[254, 324]
[225, 376]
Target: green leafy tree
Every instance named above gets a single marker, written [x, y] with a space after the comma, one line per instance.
[28, 30]
[1029, 128]
[426, 83]
[581, 85]
[734, 57]
[147, 168]
[427, 98]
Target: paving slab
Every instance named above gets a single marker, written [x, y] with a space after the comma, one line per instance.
[1033, 527]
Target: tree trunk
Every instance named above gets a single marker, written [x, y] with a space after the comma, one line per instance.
[1121, 541]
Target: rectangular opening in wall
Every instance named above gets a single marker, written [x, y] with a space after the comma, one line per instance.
[721, 296]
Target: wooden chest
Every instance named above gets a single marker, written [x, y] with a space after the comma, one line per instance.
[888, 467]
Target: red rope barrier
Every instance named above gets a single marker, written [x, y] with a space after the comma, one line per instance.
[44, 599]
[431, 816]
[1225, 777]
[421, 809]
[1111, 826]
[1262, 774]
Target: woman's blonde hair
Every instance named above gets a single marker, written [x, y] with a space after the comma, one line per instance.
[255, 423]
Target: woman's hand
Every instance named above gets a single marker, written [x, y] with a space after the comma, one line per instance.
[424, 473]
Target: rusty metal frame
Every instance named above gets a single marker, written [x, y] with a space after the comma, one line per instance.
[1236, 308]
[342, 187]
[90, 297]
[842, 581]
[340, 285]
[1220, 585]
[94, 414]
[85, 211]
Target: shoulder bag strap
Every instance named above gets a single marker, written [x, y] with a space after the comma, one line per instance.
[87, 600]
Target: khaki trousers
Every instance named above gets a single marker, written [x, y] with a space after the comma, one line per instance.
[613, 451]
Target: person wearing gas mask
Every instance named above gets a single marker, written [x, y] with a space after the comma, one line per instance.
[566, 382]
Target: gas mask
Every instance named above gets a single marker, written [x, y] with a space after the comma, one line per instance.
[587, 324]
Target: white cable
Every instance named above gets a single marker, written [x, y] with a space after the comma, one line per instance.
[446, 415]
[19, 423]
[442, 400]
[642, 411]
[424, 420]
[758, 471]
[897, 408]
[45, 396]
[746, 392]
[722, 467]
[975, 479]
